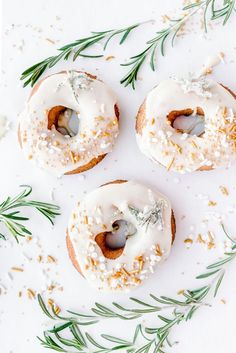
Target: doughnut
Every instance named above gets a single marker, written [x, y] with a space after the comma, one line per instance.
[119, 233]
[45, 132]
[180, 150]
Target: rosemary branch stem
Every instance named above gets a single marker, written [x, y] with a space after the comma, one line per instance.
[155, 338]
[11, 218]
[79, 47]
[185, 18]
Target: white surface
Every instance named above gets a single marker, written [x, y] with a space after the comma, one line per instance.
[212, 329]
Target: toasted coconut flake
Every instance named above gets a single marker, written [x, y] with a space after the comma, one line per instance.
[180, 292]
[137, 280]
[158, 250]
[110, 57]
[212, 203]
[31, 293]
[125, 272]
[188, 241]
[17, 269]
[224, 190]
[170, 164]
[51, 259]
[200, 239]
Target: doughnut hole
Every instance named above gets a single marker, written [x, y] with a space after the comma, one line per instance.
[65, 120]
[188, 121]
[112, 243]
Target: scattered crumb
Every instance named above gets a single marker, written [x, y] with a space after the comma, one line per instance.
[165, 18]
[200, 239]
[224, 190]
[17, 269]
[222, 57]
[4, 126]
[188, 241]
[50, 40]
[31, 293]
[51, 259]
[110, 57]
[54, 306]
[39, 258]
[211, 242]
[180, 292]
[212, 203]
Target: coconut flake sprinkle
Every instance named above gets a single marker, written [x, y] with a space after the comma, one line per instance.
[200, 85]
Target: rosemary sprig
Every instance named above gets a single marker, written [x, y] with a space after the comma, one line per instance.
[171, 32]
[151, 216]
[11, 217]
[144, 339]
[79, 47]
[74, 50]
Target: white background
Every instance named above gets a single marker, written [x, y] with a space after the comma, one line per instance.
[33, 22]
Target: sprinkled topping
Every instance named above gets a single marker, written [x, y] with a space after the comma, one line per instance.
[59, 148]
[163, 142]
[224, 190]
[111, 204]
[31, 293]
[17, 269]
[200, 86]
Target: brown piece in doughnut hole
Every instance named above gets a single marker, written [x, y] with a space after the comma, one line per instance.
[101, 239]
[53, 115]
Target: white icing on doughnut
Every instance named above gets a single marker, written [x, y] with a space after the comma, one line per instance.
[94, 103]
[143, 251]
[179, 151]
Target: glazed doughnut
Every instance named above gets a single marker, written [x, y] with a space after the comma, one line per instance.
[146, 219]
[176, 149]
[44, 131]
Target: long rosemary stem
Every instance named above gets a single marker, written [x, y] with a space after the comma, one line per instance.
[154, 339]
[79, 47]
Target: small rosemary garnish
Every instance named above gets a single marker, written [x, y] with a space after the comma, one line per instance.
[11, 217]
[80, 46]
[171, 32]
[144, 338]
[74, 50]
[151, 216]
